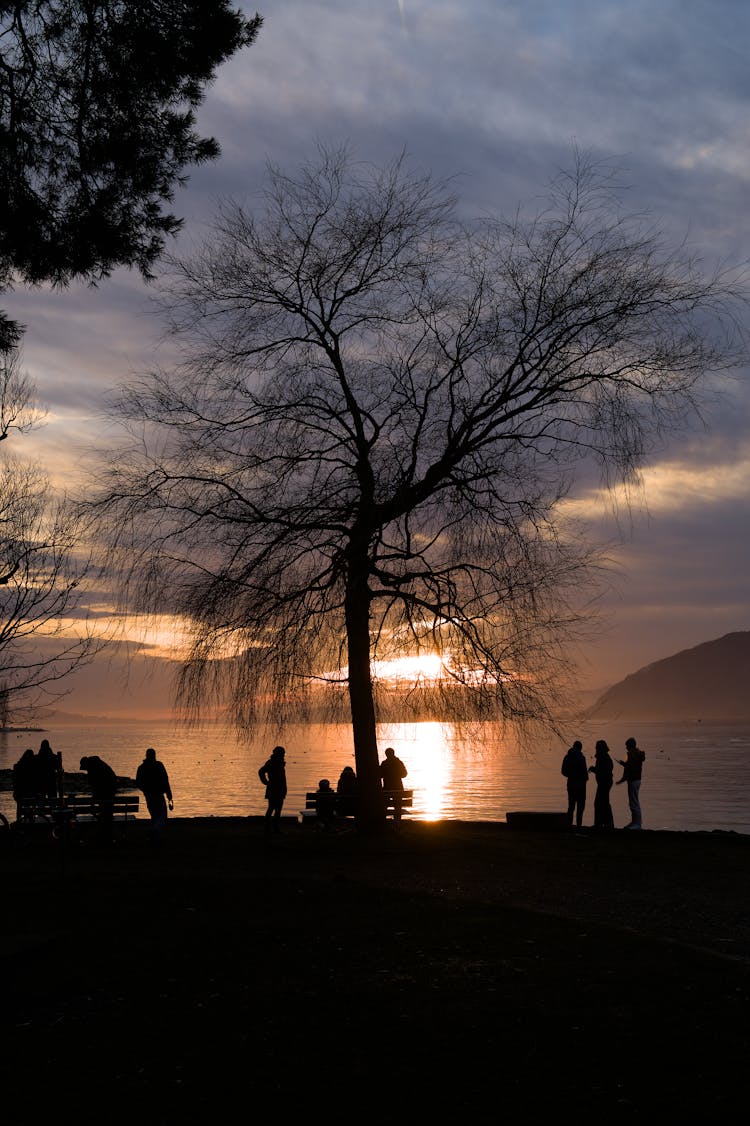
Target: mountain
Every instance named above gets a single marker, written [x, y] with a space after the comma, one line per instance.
[709, 682]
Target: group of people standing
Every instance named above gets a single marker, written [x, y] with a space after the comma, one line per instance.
[577, 771]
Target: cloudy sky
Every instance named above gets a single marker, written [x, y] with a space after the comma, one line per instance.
[497, 93]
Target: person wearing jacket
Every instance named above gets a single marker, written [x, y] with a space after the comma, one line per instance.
[632, 773]
[574, 768]
[152, 779]
[273, 776]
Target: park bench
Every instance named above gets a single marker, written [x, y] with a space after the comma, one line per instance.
[85, 807]
[72, 809]
[346, 804]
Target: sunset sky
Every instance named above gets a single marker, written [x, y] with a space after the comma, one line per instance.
[497, 94]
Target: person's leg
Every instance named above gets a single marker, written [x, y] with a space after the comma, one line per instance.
[571, 805]
[635, 802]
[277, 816]
[580, 806]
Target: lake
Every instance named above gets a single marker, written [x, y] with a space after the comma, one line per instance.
[695, 775]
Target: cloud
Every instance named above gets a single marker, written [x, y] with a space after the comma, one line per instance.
[494, 94]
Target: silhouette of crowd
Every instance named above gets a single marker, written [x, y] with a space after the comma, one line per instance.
[576, 771]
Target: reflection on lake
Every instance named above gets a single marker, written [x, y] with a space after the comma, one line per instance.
[695, 776]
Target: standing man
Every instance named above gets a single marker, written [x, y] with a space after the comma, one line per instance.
[103, 783]
[273, 776]
[632, 771]
[152, 779]
[577, 773]
[393, 772]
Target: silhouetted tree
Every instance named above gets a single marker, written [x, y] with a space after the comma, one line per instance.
[43, 633]
[377, 413]
[97, 127]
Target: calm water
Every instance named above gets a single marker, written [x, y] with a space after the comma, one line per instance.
[695, 776]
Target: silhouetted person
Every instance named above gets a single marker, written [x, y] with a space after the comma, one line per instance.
[47, 771]
[577, 773]
[24, 779]
[103, 784]
[393, 772]
[346, 791]
[602, 770]
[325, 804]
[632, 772]
[152, 779]
[273, 776]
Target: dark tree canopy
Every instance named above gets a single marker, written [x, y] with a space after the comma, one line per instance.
[97, 128]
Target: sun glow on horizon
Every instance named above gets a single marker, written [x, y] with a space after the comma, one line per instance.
[414, 668]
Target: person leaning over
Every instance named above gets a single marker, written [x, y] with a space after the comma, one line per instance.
[103, 784]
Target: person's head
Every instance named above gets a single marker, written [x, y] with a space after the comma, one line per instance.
[150, 755]
[630, 744]
[389, 752]
[601, 747]
[44, 747]
[278, 752]
[578, 745]
[324, 784]
[84, 762]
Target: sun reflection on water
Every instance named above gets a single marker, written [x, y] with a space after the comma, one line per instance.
[426, 749]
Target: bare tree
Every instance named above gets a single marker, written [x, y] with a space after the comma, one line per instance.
[43, 634]
[377, 413]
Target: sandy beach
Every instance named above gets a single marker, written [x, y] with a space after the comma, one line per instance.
[441, 970]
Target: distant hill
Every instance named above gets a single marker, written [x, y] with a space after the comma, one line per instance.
[708, 682]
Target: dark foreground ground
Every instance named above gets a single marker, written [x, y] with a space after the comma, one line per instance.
[445, 970]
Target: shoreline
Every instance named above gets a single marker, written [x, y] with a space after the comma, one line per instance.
[443, 969]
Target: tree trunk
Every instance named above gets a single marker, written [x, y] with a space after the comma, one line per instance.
[371, 812]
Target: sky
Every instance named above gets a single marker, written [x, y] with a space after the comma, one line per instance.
[497, 94]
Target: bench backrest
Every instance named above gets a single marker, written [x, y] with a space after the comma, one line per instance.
[124, 806]
[86, 805]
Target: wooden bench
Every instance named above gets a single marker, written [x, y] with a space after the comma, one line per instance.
[85, 807]
[72, 809]
[345, 805]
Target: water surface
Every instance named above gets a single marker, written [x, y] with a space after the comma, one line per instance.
[695, 775]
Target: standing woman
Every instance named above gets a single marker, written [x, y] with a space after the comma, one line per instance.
[273, 776]
[603, 769]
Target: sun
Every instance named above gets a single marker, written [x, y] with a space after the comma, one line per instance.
[419, 667]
